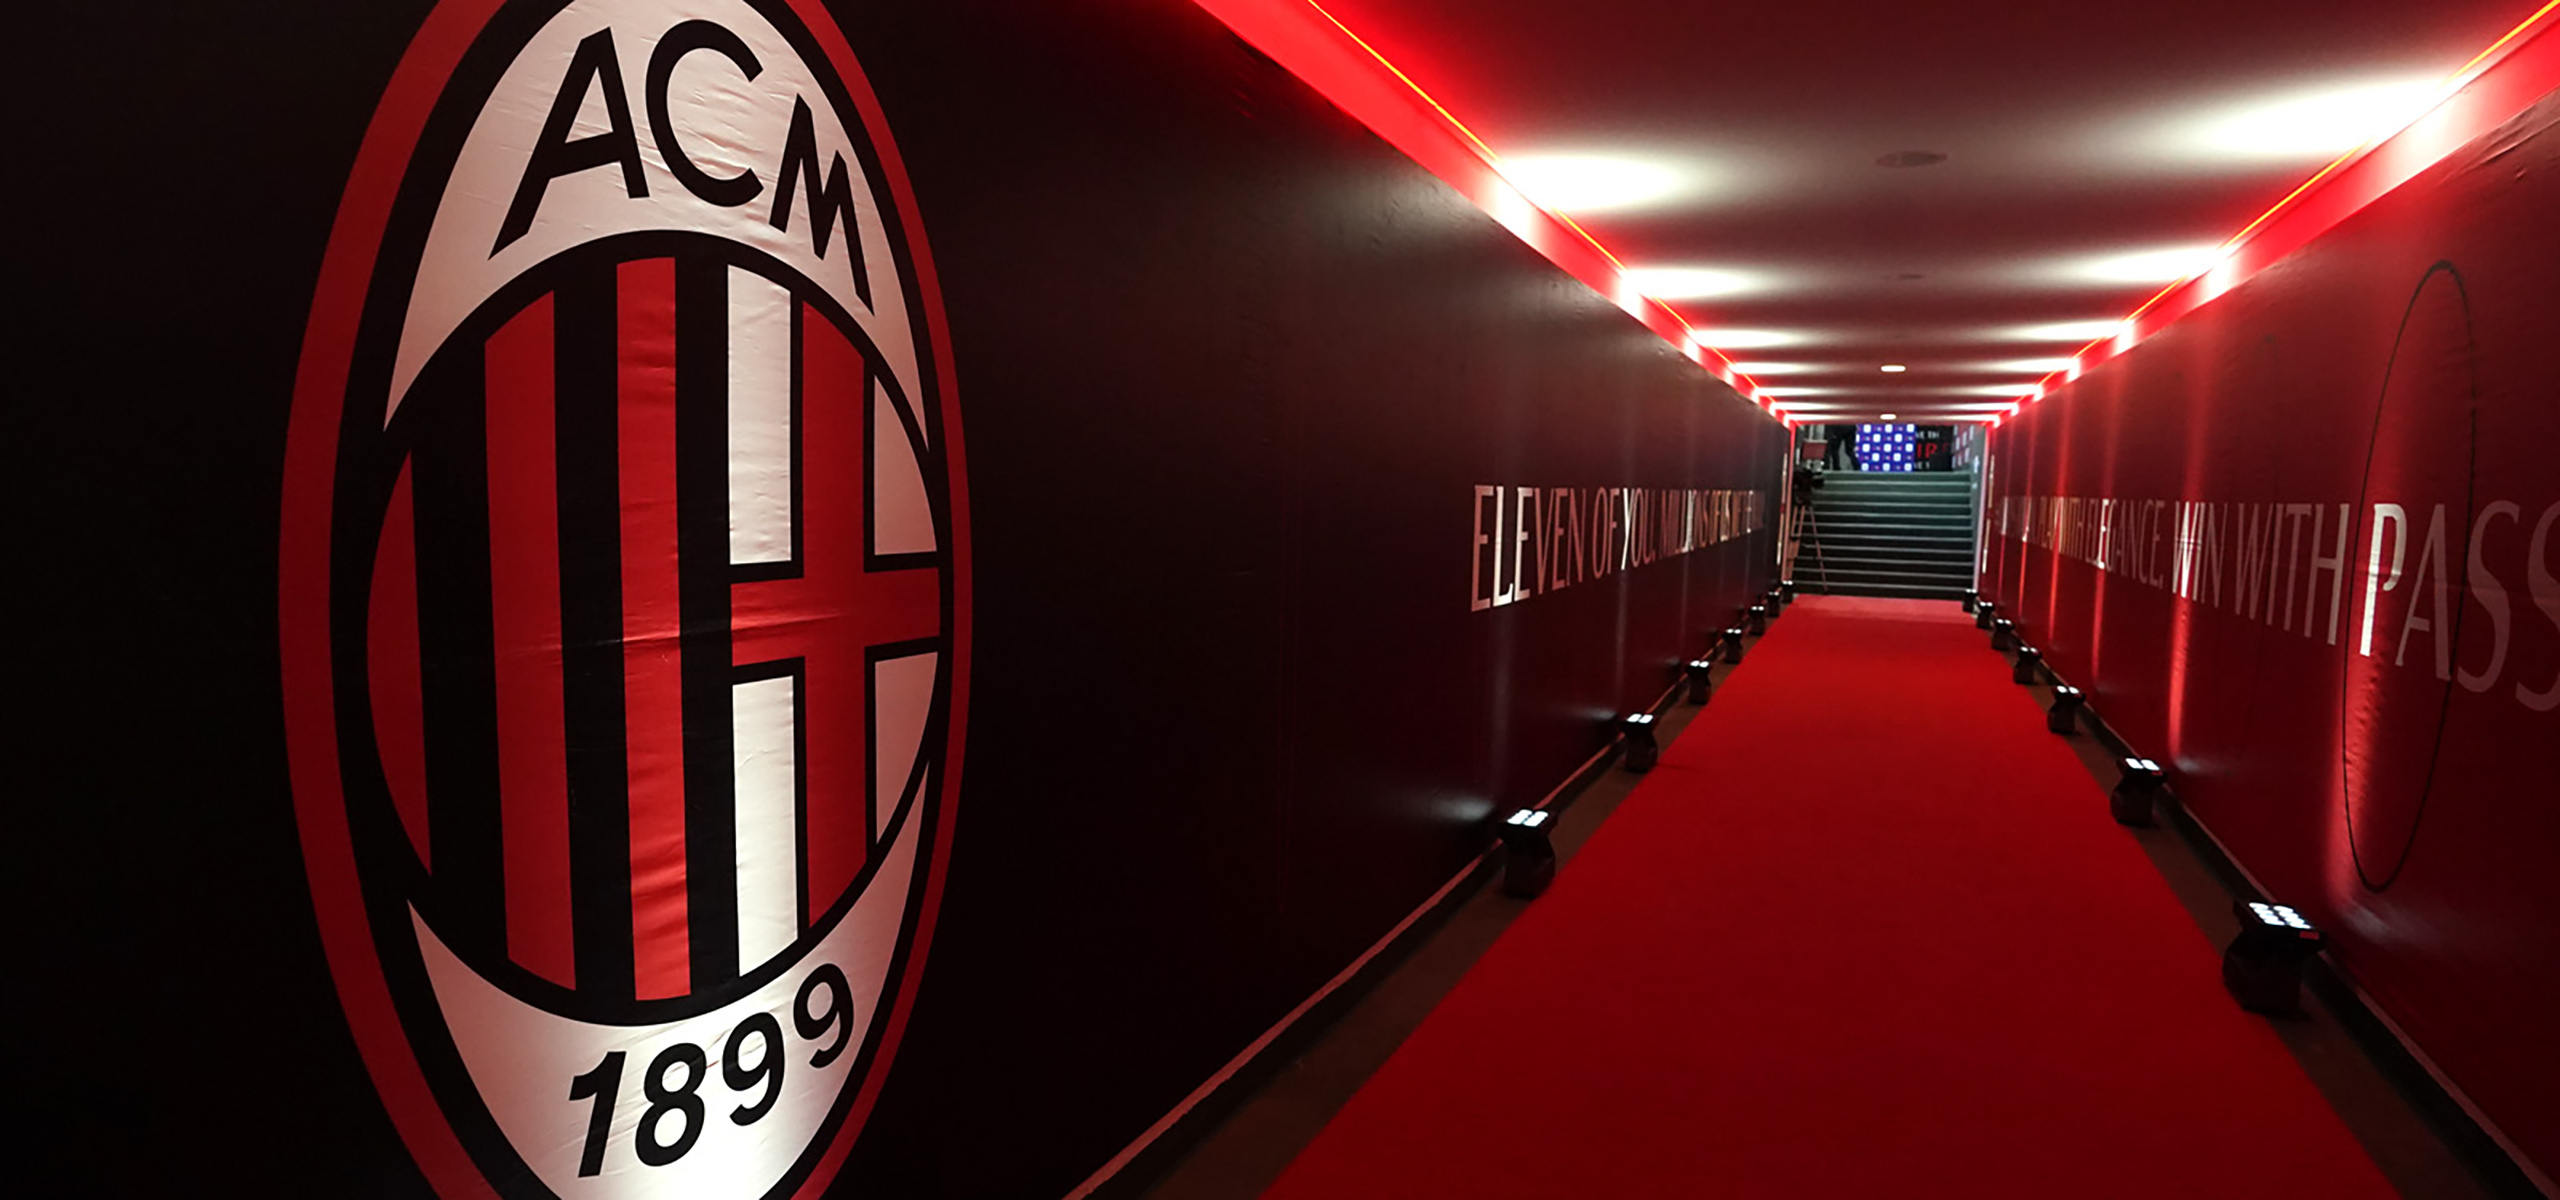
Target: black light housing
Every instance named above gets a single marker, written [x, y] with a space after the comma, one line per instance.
[2004, 634]
[1732, 643]
[1775, 603]
[1971, 599]
[1700, 674]
[2024, 670]
[1642, 748]
[2064, 716]
[2262, 968]
[1531, 863]
[1786, 591]
[1756, 618]
[1983, 612]
[2136, 790]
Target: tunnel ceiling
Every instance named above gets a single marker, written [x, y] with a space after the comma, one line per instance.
[1772, 170]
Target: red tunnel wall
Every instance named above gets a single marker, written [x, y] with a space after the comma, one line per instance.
[2203, 531]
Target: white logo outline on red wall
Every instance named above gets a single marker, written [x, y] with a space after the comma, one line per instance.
[559, 1016]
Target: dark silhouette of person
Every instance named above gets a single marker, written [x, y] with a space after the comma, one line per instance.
[1839, 440]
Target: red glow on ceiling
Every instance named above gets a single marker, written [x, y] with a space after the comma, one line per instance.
[1320, 50]
[2500, 81]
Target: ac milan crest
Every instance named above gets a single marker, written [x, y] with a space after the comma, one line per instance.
[624, 598]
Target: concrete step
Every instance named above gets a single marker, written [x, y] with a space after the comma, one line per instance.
[1917, 591]
[1843, 533]
[1959, 518]
[1926, 551]
[1853, 531]
[1875, 510]
[1888, 572]
[1912, 479]
[1853, 510]
[1950, 541]
[1854, 527]
[1879, 498]
[1835, 556]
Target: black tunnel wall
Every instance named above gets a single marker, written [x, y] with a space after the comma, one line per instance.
[1230, 370]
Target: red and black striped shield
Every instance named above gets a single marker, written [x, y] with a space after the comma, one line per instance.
[625, 608]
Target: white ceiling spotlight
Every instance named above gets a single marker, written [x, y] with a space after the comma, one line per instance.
[1893, 368]
[1590, 183]
[2306, 125]
[2068, 331]
[1742, 339]
[1687, 283]
[2167, 264]
[1990, 389]
[1887, 416]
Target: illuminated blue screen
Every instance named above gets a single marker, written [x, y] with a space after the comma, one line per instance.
[1888, 447]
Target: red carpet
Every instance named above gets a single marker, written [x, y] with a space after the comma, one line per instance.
[1866, 932]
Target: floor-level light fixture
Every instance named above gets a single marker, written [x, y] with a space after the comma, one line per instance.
[2004, 634]
[1531, 862]
[1971, 599]
[1700, 674]
[1732, 643]
[2024, 670]
[2262, 969]
[1786, 591]
[1983, 613]
[1775, 603]
[1642, 749]
[1756, 618]
[2064, 716]
[2136, 790]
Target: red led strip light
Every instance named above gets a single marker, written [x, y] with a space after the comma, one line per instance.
[1311, 44]
[2499, 82]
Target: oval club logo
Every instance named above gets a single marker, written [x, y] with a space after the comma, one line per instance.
[2417, 514]
[624, 598]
